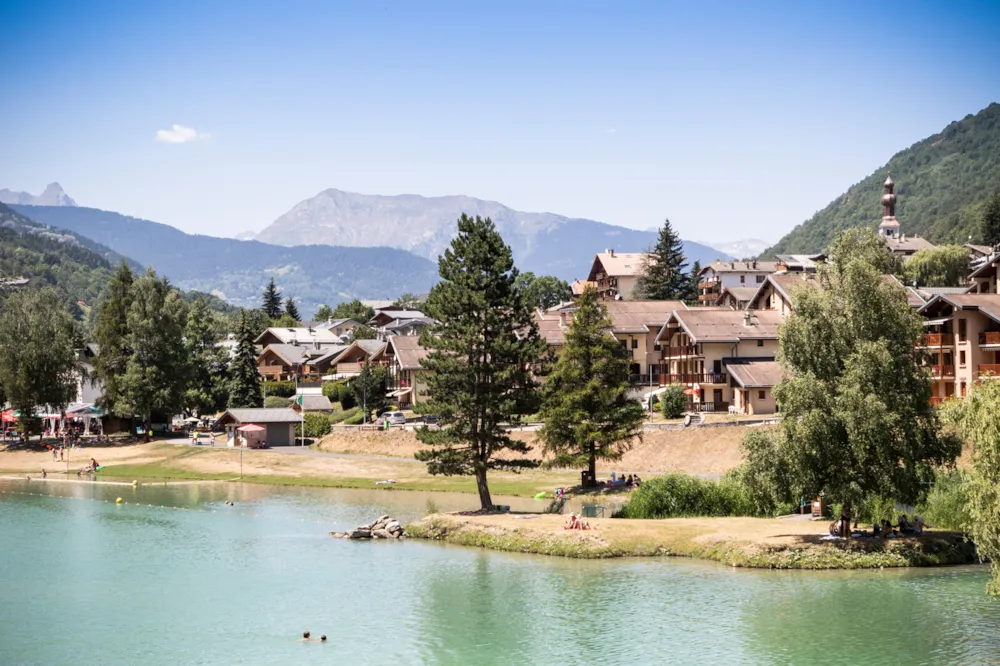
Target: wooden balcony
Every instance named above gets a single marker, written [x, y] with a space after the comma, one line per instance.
[937, 340]
[935, 400]
[989, 370]
[943, 371]
[711, 406]
[989, 338]
[694, 378]
[683, 350]
[271, 371]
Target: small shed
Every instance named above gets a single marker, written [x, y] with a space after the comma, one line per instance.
[279, 426]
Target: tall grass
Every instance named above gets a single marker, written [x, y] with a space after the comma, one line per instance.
[682, 495]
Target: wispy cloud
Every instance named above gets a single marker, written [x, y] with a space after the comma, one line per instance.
[181, 134]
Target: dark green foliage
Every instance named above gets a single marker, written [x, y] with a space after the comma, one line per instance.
[345, 415]
[691, 292]
[317, 425]
[270, 300]
[291, 310]
[362, 333]
[543, 291]
[673, 402]
[944, 266]
[587, 411]
[682, 495]
[331, 390]
[355, 418]
[481, 356]
[276, 402]
[355, 310]
[285, 321]
[368, 389]
[111, 336]
[856, 415]
[663, 276]
[207, 391]
[284, 389]
[942, 184]
[323, 313]
[863, 245]
[947, 505]
[38, 342]
[347, 399]
[244, 386]
[408, 301]
[989, 221]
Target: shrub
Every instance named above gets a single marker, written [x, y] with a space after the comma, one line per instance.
[317, 425]
[355, 419]
[947, 504]
[673, 401]
[332, 391]
[275, 402]
[340, 417]
[281, 389]
[682, 495]
[346, 396]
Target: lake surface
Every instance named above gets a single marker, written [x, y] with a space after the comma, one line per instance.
[173, 576]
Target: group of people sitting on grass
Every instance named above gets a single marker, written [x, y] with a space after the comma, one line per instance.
[885, 529]
[574, 523]
[633, 480]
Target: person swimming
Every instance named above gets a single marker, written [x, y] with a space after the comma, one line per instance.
[305, 635]
[322, 639]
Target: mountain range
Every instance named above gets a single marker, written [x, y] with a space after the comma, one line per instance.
[942, 183]
[544, 243]
[52, 196]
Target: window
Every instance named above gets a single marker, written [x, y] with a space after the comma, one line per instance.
[624, 344]
[962, 388]
[760, 394]
[656, 347]
[761, 278]
[743, 279]
[760, 343]
[961, 330]
[961, 359]
[635, 343]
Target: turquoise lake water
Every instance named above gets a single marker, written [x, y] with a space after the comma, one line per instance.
[173, 576]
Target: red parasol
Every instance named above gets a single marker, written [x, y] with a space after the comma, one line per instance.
[8, 417]
[689, 391]
[251, 427]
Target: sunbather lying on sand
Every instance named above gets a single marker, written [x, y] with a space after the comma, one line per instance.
[575, 523]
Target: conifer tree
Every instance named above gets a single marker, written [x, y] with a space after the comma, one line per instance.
[271, 301]
[111, 336]
[481, 357]
[245, 385]
[291, 310]
[663, 276]
[587, 411]
[691, 294]
[207, 391]
[989, 225]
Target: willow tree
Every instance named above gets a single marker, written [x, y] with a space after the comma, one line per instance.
[586, 410]
[977, 418]
[481, 356]
[855, 405]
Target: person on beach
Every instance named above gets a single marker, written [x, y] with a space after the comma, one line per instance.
[212, 439]
[93, 465]
[614, 479]
[55, 453]
[61, 453]
[573, 523]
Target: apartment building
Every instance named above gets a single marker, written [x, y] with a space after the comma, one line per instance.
[962, 341]
[700, 346]
[721, 275]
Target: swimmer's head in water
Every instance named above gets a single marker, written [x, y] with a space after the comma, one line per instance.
[323, 638]
[305, 634]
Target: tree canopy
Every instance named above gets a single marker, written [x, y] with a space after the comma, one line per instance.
[355, 310]
[664, 276]
[292, 311]
[270, 300]
[856, 416]
[407, 300]
[989, 221]
[244, 379]
[368, 389]
[323, 313]
[543, 291]
[481, 357]
[362, 333]
[586, 410]
[111, 335]
[943, 266]
[207, 390]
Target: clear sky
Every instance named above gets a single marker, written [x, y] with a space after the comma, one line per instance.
[732, 119]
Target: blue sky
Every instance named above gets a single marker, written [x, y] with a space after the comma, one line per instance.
[732, 119]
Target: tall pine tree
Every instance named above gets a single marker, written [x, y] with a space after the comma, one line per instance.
[691, 293]
[663, 276]
[989, 225]
[291, 310]
[481, 357]
[245, 386]
[271, 300]
[207, 391]
[587, 411]
[111, 336]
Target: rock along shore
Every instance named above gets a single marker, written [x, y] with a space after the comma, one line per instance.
[383, 527]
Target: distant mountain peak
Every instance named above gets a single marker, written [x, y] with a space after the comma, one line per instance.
[53, 195]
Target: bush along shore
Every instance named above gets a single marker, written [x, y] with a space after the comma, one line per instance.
[738, 542]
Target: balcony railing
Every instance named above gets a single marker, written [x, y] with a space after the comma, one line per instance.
[271, 370]
[935, 400]
[694, 378]
[937, 339]
[990, 370]
[712, 406]
[989, 338]
[682, 350]
[940, 371]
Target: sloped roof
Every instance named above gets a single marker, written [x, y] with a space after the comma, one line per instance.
[784, 284]
[724, 325]
[755, 374]
[313, 403]
[617, 264]
[290, 354]
[408, 351]
[578, 286]
[640, 316]
[330, 353]
[909, 244]
[300, 335]
[984, 250]
[739, 293]
[244, 416]
[720, 266]
[988, 304]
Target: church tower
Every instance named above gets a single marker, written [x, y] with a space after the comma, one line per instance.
[889, 226]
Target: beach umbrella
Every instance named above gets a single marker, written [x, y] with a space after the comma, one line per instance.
[8, 417]
[689, 391]
[192, 419]
[251, 427]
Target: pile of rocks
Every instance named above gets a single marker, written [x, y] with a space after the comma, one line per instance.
[383, 527]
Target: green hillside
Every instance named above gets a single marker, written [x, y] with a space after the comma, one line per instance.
[941, 185]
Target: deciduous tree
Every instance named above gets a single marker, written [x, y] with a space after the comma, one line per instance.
[543, 291]
[481, 357]
[362, 333]
[244, 380]
[587, 411]
[368, 389]
[663, 275]
[323, 313]
[943, 266]
[355, 310]
[408, 301]
[207, 390]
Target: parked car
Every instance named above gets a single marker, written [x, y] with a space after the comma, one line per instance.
[394, 418]
[431, 420]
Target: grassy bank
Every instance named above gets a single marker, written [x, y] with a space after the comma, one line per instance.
[741, 542]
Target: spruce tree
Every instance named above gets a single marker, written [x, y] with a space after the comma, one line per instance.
[245, 385]
[480, 360]
[691, 293]
[111, 336]
[989, 225]
[587, 411]
[663, 274]
[271, 300]
[207, 361]
[291, 310]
